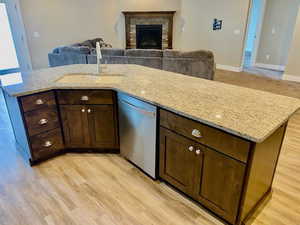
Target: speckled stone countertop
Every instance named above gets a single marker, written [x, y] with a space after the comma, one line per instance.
[247, 113]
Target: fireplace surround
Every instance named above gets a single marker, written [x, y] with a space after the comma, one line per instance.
[143, 29]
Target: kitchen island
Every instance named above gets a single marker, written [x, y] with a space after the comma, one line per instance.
[219, 144]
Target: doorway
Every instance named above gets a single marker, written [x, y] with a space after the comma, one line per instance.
[254, 28]
[252, 42]
[9, 63]
[269, 34]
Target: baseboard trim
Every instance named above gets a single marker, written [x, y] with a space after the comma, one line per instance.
[270, 66]
[290, 77]
[229, 68]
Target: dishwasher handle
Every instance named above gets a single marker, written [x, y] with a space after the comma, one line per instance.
[141, 110]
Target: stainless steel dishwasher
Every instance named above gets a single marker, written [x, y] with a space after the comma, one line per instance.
[137, 121]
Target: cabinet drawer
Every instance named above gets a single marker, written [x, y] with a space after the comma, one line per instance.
[83, 97]
[230, 145]
[39, 121]
[46, 144]
[37, 101]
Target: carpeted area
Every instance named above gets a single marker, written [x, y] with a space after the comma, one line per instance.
[281, 87]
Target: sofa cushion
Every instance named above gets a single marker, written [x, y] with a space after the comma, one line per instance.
[189, 66]
[66, 59]
[188, 54]
[70, 49]
[109, 51]
[144, 53]
[92, 59]
[153, 62]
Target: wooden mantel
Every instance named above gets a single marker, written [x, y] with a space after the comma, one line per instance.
[132, 18]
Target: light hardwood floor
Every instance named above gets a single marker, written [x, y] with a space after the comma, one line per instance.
[95, 189]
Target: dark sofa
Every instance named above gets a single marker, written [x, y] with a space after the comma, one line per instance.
[194, 63]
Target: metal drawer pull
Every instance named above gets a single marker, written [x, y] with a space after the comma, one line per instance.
[83, 110]
[89, 110]
[198, 152]
[191, 148]
[84, 98]
[48, 144]
[39, 102]
[43, 121]
[196, 133]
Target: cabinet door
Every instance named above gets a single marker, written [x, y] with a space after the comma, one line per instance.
[102, 126]
[75, 126]
[219, 181]
[177, 160]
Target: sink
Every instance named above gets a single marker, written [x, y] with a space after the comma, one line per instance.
[103, 78]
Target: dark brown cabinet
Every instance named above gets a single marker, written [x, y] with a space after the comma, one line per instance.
[177, 160]
[87, 125]
[53, 122]
[213, 179]
[42, 126]
[219, 182]
[228, 175]
[102, 126]
[75, 126]
[47, 144]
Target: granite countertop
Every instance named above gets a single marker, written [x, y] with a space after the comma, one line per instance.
[247, 113]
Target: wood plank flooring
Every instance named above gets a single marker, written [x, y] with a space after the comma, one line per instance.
[90, 189]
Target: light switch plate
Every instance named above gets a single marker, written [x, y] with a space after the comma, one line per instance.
[36, 34]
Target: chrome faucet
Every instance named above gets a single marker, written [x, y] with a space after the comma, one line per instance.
[99, 57]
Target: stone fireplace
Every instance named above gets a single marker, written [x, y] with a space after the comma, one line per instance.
[149, 30]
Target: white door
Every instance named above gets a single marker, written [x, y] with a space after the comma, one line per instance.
[18, 33]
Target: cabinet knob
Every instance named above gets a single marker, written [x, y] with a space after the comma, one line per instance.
[89, 110]
[43, 121]
[83, 110]
[48, 144]
[84, 98]
[196, 133]
[198, 151]
[191, 148]
[39, 102]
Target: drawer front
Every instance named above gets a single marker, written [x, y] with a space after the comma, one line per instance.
[230, 145]
[46, 144]
[82, 97]
[39, 121]
[37, 101]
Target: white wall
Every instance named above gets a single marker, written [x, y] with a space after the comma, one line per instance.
[292, 71]
[198, 34]
[277, 31]
[63, 22]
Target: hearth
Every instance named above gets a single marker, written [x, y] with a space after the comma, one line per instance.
[149, 36]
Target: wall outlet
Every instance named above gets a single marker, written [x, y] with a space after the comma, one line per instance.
[268, 57]
[273, 30]
[237, 32]
[36, 34]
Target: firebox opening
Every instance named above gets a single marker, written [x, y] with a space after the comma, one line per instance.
[149, 36]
